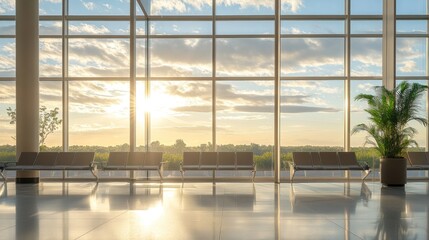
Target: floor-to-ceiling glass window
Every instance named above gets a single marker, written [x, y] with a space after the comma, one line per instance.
[412, 37]
[7, 81]
[366, 34]
[245, 81]
[205, 75]
[312, 76]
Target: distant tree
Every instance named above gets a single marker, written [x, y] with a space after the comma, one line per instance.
[155, 145]
[48, 122]
[179, 146]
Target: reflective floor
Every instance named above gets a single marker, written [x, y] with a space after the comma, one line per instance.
[53, 210]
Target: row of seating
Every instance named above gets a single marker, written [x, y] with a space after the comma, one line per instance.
[54, 161]
[65, 161]
[135, 161]
[217, 161]
[308, 161]
[418, 160]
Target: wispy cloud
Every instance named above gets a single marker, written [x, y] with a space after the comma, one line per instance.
[7, 6]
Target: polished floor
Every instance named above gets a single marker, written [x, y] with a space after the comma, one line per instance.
[55, 210]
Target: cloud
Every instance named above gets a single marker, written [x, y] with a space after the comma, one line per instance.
[106, 5]
[7, 6]
[88, 5]
[178, 6]
[284, 109]
[206, 108]
[366, 87]
[84, 28]
[7, 58]
[410, 56]
[7, 93]
[7, 29]
[312, 57]
[96, 57]
[245, 57]
[408, 66]
[191, 89]
[159, 7]
[181, 57]
[99, 98]
[292, 5]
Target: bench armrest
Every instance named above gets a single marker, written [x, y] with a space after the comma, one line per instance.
[9, 164]
[364, 165]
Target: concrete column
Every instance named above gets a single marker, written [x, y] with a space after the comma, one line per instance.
[389, 44]
[27, 83]
[277, 93]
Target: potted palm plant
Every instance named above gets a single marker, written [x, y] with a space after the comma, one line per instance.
[390, 112]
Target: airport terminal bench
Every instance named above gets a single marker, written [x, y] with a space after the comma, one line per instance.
[138, 161]
[53, 161]
[310, 161]
[213, 161]
[418, 160]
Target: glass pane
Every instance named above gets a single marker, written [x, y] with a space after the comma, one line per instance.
[99, 114]
[313, 7]
[312, 27]
[50, 57]
[367, 7]
[181, 115]
[245, 57]
[141, 57]
[7, 27]
[366, 56]
[357, 116]
[7, 7]
[50, 27]
[180, 28]
[411, 54]
[412, 26]
[191, 57]
[141, 110]
[51, 7]
[311, 111]
[51, 101]
[245, 116]
[411, 7]
[244, 27]
[99, 7]
[99, 28]
[99, 58]
[7, 130]
[180, 7]
[141, 28]
[366, 27]
[239, 7]
[7, 57]
[313, 57]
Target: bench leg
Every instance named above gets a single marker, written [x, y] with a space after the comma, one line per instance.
[367, 174]
[94, 172]
[253, 175]
[292, 173]
[214, 176]
[183, 174]
[160, 175]
[3, 176]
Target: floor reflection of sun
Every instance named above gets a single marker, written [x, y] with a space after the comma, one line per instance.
[151, 216]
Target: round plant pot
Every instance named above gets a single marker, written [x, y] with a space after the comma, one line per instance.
[393, 172]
